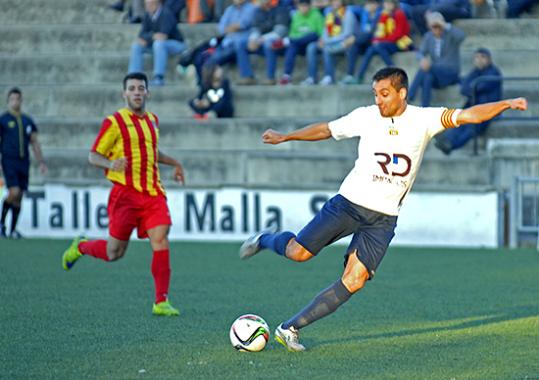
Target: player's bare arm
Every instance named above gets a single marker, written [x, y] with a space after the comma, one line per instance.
[487, 111]
[178, 169]
[313, 132]
[103, 162]
[38, 153]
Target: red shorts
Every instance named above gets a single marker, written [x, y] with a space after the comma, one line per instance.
[129, 209]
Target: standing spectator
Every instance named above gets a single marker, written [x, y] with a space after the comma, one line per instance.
[340, 24]
[450, 9]
[391, 36]
[159, 35]
[17, 131]
[368, 18]
[214, 94]
[234, 26]
[305, 29]
[270, 25]
[484, 92]
[439, 64]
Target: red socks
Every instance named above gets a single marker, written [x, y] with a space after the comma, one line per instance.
[95, 248]
[161, 274]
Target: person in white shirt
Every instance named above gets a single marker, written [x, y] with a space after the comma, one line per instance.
[394, 136]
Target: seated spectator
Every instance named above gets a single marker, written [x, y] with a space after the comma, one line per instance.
[234, 26]
[338, 35]
[450, 9]
[482, 92]
[368, 17]
[270, 26]
[214, 94]
[390, 36]
[135, 12]
[160, 36]
[516, 7]
[198, 55]
[408, 5]
[305, 29]
[204, 10]
[439, 54]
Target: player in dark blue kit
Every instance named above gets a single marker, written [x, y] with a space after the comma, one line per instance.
[17, 131]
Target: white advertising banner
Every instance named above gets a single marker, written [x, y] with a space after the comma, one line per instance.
[427, 219]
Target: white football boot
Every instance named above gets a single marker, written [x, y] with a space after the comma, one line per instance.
[251, 246]
[289, 338]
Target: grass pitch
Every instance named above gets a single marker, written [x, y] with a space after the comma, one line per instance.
[428, 314]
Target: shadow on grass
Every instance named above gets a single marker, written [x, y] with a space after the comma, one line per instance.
[449, 325]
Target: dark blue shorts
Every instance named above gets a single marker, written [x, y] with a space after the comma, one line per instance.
[16, 172]
[372, 231]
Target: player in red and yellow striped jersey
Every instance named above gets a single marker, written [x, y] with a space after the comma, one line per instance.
[127, 148]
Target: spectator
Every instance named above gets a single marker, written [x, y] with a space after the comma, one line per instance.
[17, 132]
[214, 94]
[234, 26]
[391, 36]
[338, 35]
[368, 17]
[270, 26]
[135, 12]
[306, 28]
[439, 64]
[485, 92]
[450, 9]
[516, 7]
[159, 35]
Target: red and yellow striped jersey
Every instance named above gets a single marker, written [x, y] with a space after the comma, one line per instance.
[125, 134]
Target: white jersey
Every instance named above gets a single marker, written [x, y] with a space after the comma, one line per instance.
[390, 151]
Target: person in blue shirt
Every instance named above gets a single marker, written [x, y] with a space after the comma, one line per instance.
[17, 132]
[484, 92]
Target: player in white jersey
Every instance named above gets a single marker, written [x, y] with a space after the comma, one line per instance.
[394, 136]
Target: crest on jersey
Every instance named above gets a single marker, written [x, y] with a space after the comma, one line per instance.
[393, 132]
[11, 124]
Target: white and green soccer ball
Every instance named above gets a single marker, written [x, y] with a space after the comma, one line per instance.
[249, 333]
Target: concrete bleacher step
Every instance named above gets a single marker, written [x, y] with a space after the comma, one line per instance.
[506, 34]
[303, 169]
[103, 68]
[57, 12]
[171, 101]
[83, 39]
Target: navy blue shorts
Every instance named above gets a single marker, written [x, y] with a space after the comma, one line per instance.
[16, 172]
[372, 231]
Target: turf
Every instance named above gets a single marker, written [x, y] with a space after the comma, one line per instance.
[428, 314]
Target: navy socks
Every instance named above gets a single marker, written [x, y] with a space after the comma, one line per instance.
[277, 242]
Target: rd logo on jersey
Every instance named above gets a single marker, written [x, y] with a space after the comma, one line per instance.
[401, 163]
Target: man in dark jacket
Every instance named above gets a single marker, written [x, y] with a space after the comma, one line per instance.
[160, 36]
[476, 92]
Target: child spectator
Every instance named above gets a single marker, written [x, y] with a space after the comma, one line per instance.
[305, 29]
[214, 94]
[392, 34]
[340, 24]
[368, 17]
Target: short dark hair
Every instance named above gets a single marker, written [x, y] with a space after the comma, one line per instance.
[397, 76]
[139, 76]
[14, 90]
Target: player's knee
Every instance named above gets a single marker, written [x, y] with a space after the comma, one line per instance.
[115, 253]
[297, 252]
[355, 274]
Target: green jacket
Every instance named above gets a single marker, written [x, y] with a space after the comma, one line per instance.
[301, 25]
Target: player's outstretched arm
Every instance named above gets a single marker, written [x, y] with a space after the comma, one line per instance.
[313, 132]
[178, 169]
[483, 112]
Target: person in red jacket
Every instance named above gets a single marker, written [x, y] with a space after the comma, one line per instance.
[391, 35]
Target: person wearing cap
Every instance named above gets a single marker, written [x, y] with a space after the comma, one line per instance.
[476, 92]
[439, 58]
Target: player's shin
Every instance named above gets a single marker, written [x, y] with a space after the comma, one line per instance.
[95, 248]
[277, 242]
[161, 274]
[325, 303]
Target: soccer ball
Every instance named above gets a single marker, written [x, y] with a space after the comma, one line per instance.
[249, 333]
